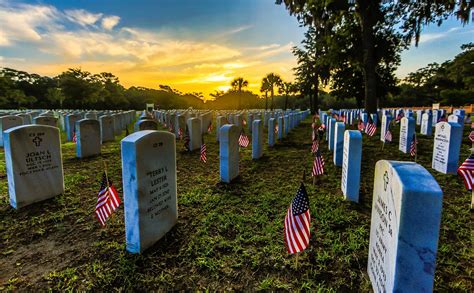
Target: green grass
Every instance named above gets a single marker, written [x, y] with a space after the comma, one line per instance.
[228, 236]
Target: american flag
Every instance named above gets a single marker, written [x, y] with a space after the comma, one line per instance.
[413, 144]
[74, 137]
[297, 222]
[313, 134]
[399, 116]
[243, 139]
[371, 127]
[203, 153]
[471, 136]
[276, 129]
[315, 146]
[107, 201]
[322, 127]
[171, 127]
[180, 133]
[186, 139]
[388, 135]
[466, 170]
[209, 128]
[318, 164]
[361, 125]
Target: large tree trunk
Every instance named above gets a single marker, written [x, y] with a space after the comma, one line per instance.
[272, 98]
[266, 101]
[311, 101]
[368, 10]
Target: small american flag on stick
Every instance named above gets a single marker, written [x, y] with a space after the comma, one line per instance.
[209, 128]
[107, 201]
[186, 139]
[361, 125]
[466, 171]
[276, 129]
[413, 147]
[315, 146]
[203, 156]
[243, 139]
[297, 222]
[180, 133]
[371, 127]
[471, 136]
[74, 137]
[388, 135]
[318, 164]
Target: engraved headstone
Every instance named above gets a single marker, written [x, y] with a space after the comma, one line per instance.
[145, 124]
[46, 120]
[257, 139]
[271, 132]
[70, 125]
[338, 143]
[229, 152]
[350, 180]
[407, 129]
[426, 121]
[88, 138]
[149, 187]
[404, 229]
[7, 122]
[195, 136]
[446, 147]
[34, 164]
[107, 128]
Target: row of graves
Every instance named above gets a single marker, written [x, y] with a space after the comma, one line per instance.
[407, 200]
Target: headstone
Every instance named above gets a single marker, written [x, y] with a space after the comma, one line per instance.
[34, 164]
[286, 124]
[404, 229]
[257, 139]
[70, 123]
[436, 117]
[220, 121]
[27, 119]
[149, 187]
[332, 131]
[446, 147]
[338, 143]
[419, 115]
[407, 129]
[229, 152]
[46, 120]
[145, 124]
[281, 132]
[195, 136]
[106, 128]
[88, 138]
[350, 180]
[7, 122]
[271, 132]
[426, 121]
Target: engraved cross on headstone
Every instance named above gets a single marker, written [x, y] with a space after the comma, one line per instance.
[37, 141]
[385, 180]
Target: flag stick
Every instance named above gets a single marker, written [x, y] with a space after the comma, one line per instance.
[106, 176]
[472, 191]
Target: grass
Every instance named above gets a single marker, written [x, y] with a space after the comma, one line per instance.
[228, 236]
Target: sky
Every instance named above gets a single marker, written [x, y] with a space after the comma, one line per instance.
[191, 45]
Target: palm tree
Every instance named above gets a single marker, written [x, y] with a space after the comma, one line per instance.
[286, 88]
[264, 88]
[237, 84]
[273, 80]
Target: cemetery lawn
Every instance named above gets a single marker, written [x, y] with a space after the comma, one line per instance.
[228, 236]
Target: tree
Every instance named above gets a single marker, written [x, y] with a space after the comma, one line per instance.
[373, 17]
[264, 88]
[286, 88]
[237, 85]
[272, 80]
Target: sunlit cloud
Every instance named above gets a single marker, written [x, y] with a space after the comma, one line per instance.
[109, 22]
[138, 56]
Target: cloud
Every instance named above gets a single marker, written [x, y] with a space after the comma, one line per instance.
[82, 17]
[24, 22]
[141, 57]
[109, 22]
[429, 37]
